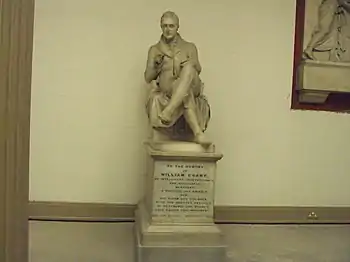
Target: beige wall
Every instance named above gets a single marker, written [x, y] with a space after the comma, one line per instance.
[88, 67]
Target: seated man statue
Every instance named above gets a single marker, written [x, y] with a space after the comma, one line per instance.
[176, 106]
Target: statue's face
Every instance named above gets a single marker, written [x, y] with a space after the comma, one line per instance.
[169, 27]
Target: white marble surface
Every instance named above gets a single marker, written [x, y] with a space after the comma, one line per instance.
[325, 76]
[182, 146]
[183, 191]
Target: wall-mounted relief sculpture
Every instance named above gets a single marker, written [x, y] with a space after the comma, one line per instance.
[322, 55]
[330, 39]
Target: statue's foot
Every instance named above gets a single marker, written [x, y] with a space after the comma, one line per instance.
[158, 136]
[308, 54]
[201, 139]
[165, 118]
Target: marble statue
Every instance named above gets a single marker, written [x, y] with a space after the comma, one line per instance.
[176, 106]
[332, 33]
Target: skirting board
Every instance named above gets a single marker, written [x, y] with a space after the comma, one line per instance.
[96, 212]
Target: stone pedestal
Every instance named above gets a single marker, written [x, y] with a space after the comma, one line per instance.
[175, 218]
[318, 79]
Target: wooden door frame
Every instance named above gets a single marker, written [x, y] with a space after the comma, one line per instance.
[16, 45]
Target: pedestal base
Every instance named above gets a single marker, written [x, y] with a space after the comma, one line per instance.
[178, 243]
[163, 253]
[175, 218]
[318, 79]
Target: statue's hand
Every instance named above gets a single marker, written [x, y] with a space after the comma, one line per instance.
[158, 61]
[345, 4]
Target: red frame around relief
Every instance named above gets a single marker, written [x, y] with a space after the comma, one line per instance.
[335, 102]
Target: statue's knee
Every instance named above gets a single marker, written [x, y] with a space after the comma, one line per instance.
[188, 69]
[188, 66]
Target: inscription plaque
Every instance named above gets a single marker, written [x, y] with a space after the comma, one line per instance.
[183, 192]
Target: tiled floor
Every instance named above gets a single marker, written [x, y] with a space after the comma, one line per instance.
[113, 242]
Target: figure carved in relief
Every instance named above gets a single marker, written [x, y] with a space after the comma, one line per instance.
[332, 32]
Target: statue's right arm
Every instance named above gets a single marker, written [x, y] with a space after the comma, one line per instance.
[151, 73]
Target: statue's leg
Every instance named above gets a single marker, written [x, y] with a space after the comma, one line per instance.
[192, 120]
[180, 92]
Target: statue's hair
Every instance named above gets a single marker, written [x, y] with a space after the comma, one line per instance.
[170, 14]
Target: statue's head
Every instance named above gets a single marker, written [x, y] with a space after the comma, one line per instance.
[169, 23]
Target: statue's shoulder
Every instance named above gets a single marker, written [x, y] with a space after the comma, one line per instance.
[189, 44]
[154, 45]
[154, 48]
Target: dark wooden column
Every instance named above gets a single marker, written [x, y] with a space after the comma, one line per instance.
[16, 42]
